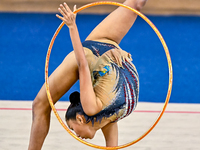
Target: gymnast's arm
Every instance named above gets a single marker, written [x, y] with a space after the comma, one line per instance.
[90, 103]
[110, 132]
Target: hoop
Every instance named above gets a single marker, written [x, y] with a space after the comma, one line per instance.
[169, 67]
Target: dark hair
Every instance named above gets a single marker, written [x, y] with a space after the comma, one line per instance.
[75, 106]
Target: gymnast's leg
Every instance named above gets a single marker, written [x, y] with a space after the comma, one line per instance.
[115, 26]
[60, 82]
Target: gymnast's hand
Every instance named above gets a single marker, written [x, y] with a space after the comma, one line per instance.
[68, 16]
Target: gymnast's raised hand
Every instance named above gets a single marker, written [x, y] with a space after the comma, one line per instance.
[68, 16]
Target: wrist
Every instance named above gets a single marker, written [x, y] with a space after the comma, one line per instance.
[72, 26]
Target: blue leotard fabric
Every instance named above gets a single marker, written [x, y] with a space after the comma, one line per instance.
[115, 81]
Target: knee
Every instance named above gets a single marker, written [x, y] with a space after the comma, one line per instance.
[40, 108]
[140, 4]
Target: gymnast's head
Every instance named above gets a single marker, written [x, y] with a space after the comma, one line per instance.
[76, 120]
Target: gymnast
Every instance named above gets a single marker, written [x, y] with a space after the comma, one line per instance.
[109, 84]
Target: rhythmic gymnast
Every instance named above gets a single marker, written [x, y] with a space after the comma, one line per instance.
[109, 84]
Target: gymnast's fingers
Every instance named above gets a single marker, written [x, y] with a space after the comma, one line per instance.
[67, 8]
[61, 18]
[63, 10]
[74, 8]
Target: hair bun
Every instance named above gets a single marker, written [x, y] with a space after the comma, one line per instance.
[74, 98]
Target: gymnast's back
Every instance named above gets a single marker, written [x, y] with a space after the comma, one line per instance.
[114, 78]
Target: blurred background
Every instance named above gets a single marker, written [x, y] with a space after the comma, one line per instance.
[27, 26]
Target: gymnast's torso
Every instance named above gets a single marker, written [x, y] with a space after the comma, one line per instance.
[115, 79]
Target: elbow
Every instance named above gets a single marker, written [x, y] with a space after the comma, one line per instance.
[91, 112]
[82, 63]
[91, 109]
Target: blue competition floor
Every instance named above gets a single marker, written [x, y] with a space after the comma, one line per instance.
[24, 39]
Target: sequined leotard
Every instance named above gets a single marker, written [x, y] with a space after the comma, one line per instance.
[115, 79]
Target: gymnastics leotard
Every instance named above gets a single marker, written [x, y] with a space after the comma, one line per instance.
[115, 79]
